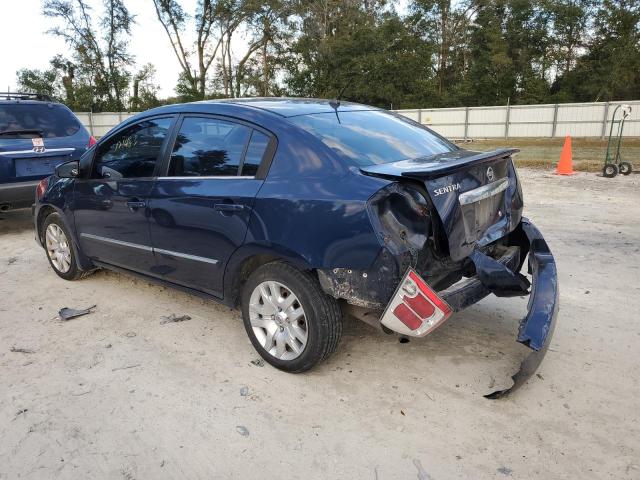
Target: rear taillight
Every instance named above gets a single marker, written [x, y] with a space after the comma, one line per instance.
[42, 187]
[92, 141]
[415, 308]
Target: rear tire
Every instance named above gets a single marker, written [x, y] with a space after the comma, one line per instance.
[625, 168]
[610, 170]
[290, 321]
[60, 251]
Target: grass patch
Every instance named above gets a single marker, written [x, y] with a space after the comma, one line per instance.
[544, 153]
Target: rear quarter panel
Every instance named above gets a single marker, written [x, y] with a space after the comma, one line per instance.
[314, 206]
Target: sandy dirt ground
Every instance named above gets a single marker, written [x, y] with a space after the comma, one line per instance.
[120, 394]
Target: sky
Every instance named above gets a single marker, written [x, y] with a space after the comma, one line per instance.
[25, 43]
[23, 28]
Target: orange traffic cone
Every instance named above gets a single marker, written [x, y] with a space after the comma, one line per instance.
[565, 165]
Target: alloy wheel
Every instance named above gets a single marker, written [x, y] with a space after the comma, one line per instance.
[278, 320]
[58, 248]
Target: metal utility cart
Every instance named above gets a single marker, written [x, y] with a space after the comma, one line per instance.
[613, 163]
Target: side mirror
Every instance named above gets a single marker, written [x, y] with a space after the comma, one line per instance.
[68, 169]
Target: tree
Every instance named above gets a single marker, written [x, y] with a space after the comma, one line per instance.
[39, 81]
[145, 91]
[98, 64]
[193, 77]
[362, 48]
[444, 25]
[610, 69]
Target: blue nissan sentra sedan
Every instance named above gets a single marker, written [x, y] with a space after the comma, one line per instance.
[300, 211]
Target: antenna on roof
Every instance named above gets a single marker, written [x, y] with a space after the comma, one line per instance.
[335, 103]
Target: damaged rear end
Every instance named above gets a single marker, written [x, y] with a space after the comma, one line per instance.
[452, 232]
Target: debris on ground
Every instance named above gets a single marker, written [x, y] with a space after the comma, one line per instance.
[257, 362]
[242, 430]
[20, 412]
[244, 391]
[67, 313]
[125, 368]
[130, 334]
[12, 260]
[173, 318]
[422, 473]
[505, 471]
[22, 350]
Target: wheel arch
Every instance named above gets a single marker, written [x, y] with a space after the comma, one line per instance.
[248, 259]
[42, 214]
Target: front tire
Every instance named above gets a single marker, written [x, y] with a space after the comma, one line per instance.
[60, 251]
[290, 321]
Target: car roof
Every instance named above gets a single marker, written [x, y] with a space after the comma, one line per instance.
[22, 101]
[291, 107]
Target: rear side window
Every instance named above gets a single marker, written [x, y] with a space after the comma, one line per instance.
[372, 137]
[208, 147]
[255, 151]
[134, 152]
[31, 120]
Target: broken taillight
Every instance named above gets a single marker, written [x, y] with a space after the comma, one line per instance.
[92, 141]
[415, 308]
[42, 187]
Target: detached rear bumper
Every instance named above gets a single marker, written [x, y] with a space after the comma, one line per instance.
[501, 278]
[536, 328]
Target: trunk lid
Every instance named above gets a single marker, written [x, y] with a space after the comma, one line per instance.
[477, 196]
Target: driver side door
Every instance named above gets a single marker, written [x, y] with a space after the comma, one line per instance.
[110, 207]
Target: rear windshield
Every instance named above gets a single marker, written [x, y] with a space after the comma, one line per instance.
[373, 137]
[28, 120]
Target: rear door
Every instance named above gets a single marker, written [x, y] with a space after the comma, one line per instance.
[110, 207]
[200, 207]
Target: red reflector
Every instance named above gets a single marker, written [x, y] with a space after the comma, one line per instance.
[415, 309]
[419, 304]
[42, 187]
[406, 316]
[92, 141]
[430, 294]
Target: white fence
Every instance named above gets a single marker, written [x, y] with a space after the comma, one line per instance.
[100, 123]
[554, 120]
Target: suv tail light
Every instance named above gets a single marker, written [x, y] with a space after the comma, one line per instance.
[42, 187]
[415, 309]
[92, 141]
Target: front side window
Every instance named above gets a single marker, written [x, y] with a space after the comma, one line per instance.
[208, 147]
[372, 137]
[132, 153]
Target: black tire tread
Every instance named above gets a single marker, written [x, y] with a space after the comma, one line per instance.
[327, 310]
[74, 273]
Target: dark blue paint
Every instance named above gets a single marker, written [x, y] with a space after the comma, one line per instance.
[207, 218]
[310, 208]
[100, 208]
[536, 328]
[13, 176]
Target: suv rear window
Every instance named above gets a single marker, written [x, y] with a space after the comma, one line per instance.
[371, 137]
[48, 120]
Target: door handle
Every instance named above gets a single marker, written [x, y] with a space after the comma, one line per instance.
[228, 207]
[134, 205]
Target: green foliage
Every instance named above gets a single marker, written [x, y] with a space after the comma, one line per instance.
[390, 53]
